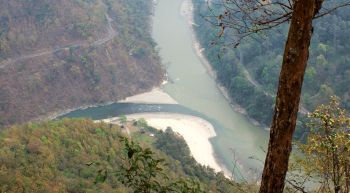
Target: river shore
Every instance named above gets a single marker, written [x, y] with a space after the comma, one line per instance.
[239, 135]
[187, 12]
[196, 132]
[154, 96]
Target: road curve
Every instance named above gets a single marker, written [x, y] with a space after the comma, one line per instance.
[109, 36]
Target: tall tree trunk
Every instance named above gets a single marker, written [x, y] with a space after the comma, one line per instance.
[295, 58]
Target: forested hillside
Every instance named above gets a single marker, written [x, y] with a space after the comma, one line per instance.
[82, 156]
[56, 55]
[250, 72]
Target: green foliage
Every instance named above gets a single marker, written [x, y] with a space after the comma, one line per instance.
[144, 173]
[326, 153]
[173, 144]
[175, 147]
[52, 156]
[140, 169]
[142, 123]
[261, 56]
[122, 119]
[81, 156]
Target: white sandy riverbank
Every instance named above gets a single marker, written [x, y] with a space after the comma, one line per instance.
[155, 96]
[195, 131]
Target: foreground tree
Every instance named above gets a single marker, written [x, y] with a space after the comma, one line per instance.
[143, 172]
[327, 149]
[246, 17]
[295, 58]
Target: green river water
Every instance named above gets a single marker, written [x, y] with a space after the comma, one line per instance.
[197, 94]
[194, 88]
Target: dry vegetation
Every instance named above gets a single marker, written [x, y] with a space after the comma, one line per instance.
[56, 55]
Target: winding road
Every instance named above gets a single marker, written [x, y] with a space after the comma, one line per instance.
[110, 35]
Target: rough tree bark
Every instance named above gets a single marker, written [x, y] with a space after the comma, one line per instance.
[295, 58]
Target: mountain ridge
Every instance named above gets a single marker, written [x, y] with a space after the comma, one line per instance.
[90, 52]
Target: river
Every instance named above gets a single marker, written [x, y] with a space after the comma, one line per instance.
[197, 93]
[194, 88]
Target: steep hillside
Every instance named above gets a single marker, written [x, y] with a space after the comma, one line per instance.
[64, 54]
[250, 72]
[68, 156]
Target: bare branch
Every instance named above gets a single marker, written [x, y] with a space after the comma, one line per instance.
[244, 18]
[295, 186]
[247, 17]
[329, 11]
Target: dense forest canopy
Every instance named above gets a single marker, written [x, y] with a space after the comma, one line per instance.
[69, 156]
[245, 18]
[96, 51]
[260, 57]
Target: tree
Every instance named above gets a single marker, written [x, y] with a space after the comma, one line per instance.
[327, 149]
[143, 172]
[122, 119]
[247, 17]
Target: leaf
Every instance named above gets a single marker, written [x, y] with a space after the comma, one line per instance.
[101, 176]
